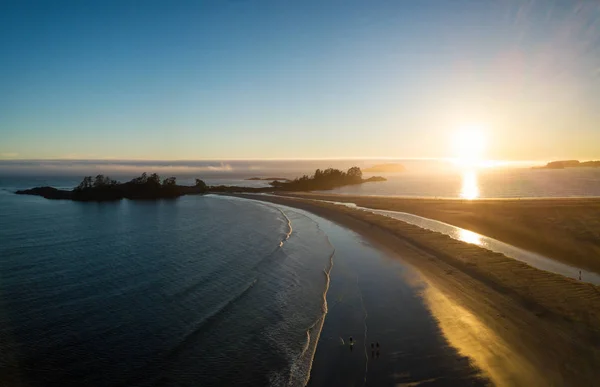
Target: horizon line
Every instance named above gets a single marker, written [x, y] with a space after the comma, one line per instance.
[283, 159]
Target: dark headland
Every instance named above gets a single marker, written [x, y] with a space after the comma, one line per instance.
[150, 187]
[562, 164]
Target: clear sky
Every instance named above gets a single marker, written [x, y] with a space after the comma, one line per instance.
[298, 79]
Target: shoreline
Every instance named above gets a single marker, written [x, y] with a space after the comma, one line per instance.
[551, 321]
[566, 230]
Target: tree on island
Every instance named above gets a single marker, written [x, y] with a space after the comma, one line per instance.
[142, 187]
[103, 181]
[323, 180]
[201, 184]
[354, 174]
[154, 179]
[85, 183]
[169, 182]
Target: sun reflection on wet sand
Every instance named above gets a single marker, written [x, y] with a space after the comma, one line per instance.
[469, 237]
[470, 186]
[472, 338]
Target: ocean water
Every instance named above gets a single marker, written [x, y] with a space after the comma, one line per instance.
[422, 178]
[485, 183]
[206, 290]
[151, 293]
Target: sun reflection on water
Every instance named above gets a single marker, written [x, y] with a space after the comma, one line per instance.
[470, 187]
[469, 237]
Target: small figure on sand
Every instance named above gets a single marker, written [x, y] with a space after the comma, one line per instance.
[580, 275]
[351, 343]
[377, 346]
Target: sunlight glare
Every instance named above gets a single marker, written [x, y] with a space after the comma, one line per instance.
[470, 187]
[470, 237]
[469, 145]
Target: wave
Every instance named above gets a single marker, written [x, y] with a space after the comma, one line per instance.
[288, 234]
[289, 223]
[301, 367]
[220, 309]
[149, 378]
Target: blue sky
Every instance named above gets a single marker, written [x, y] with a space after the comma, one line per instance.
[281, 79]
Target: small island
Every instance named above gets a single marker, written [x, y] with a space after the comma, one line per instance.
[150, 187]
[103, 188]
[562, 164]
[386, 168]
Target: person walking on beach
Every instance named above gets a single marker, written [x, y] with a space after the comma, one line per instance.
[351, 343]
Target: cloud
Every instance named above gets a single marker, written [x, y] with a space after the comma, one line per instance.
[9, 155]
[114, 167]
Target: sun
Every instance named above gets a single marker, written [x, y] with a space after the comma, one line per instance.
[469, 144]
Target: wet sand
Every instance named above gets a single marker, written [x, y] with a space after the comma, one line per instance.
[519, 325]
[567, 230]
[376, 299]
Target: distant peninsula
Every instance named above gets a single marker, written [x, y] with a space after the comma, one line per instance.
[269, 178]
[151, 187]
[562, 164]
[103, 188]
[385, 168]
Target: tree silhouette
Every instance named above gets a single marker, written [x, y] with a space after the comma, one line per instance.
[169, 182]
[200, 184]
[322, 180]
[355, 174]
[103, 181]
[85, 183]
[154, 179]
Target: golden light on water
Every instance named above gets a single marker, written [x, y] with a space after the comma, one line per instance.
[469, 237]
[470, 186]
[469, 144]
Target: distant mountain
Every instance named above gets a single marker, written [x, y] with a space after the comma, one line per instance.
[383, 168]
[561, 164]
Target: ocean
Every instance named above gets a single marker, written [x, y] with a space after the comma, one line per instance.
[487, 183]
[144, 293]
[421, 178]
[205, 290]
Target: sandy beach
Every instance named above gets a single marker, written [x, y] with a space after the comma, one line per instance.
[567, 230]
[528, 327]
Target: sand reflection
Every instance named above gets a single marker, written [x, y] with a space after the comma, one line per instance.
[472, 338]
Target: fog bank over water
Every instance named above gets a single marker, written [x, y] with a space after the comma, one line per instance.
[210, 168]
